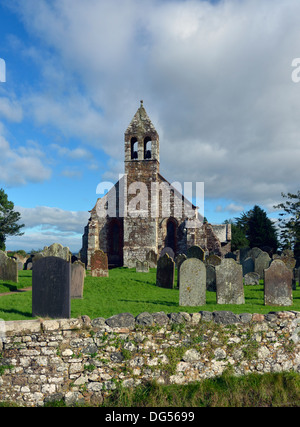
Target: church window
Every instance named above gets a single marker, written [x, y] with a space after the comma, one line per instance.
[134, 148]
[147, 148]
[171, 238]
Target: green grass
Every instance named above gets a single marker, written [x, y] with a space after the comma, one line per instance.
[128, 291]
[253, 390]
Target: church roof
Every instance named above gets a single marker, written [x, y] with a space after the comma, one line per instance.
[141, 123]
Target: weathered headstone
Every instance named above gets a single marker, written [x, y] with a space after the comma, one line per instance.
[196, 252]
[251, 279]
[168, 251]
[165, 272]
[210, 278]
[213, 259]
[278, 284]
[51, 288]
[99, 264]
[229, 281]
[142, 267]
[179, 260]
[261, 262]
[192, 286]
[58, 250]
[8, 268]
[289, 261]
[77, 279]
[247, 265]
[151, 257]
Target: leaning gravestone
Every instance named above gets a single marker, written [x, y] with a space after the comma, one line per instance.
[99, 264]
[77, 280]
[229, 282]
[8, 268]
[192, 286]
[165, 272]
[278, 284]
[261, 262]
[51, 287]
[196, 252]
[142, 267]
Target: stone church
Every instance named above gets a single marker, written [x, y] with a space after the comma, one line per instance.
[143, 213]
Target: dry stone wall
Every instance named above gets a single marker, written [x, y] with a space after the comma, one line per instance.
[81, 360]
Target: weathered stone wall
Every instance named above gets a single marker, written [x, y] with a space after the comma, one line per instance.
[80, 360]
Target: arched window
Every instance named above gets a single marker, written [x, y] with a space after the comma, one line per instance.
[147, 148]
[171, 238]
[134, 148]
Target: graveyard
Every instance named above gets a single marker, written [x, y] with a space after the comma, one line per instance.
[126, 290]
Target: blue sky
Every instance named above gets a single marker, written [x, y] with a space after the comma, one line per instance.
[216, 82]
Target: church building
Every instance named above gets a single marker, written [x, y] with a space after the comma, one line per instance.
[143, 213]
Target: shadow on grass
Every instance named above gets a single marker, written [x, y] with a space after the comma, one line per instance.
[18, 312]
[8, 287]
[156, 302]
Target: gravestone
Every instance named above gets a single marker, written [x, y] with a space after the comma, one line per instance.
[165, 272]
[51, 288]
[278, 284]
[179, 260]
[142, 267]
[211, 278]
[261, 262]
[8, 268]
[247, 265]
[99, 264]
[77, 280]
[196, 252]
[229, 282]
[213, 260]
[289, 261]
[251, 279]
[58, 250]
[192, 286]
[151, 257]
[168, 251]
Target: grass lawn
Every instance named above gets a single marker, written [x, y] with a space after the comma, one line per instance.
[128, 291]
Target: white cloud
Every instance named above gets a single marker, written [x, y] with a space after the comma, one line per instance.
[215, 79]
[21, 165]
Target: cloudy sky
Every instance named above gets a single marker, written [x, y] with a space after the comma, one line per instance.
[216, 80]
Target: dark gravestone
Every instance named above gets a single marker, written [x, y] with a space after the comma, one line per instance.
[248, 265]
[211, 278]
[179, 260]
[77, 280]
[278, 284]
[51, 288]
[168, 251]
[196, 252]
[165, 272]
[229, 281]
[99, 264]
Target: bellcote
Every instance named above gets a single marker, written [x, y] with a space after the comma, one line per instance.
[141, 138]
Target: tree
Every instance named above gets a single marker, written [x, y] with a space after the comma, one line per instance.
[8, 219]
[238, 236]
[254, 229]
[289, 222]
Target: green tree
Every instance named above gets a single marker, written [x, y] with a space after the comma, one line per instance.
[289, 222]
[261, 231]
[8, 219]
[254, 229]
[238, 235]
